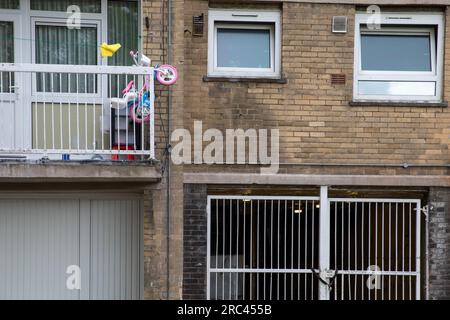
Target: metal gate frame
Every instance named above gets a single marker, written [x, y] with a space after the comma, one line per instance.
[249, 270]
[324, 246]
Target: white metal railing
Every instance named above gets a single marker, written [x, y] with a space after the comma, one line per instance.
[73, 110]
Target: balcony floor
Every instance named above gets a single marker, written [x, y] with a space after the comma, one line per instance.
[79, 171]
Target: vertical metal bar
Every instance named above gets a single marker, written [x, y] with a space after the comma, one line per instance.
[409, 248]
[45, 116]
[298, 248]
[208, 245]
[53, 111]
[312, 246]
[61, 114]
[143, 125]
[324, 245]
[126, 120]
[369, 242]
[231, 246]
[349, 251]
[237, 246]
[223, 245]
[390, 251]
[356, 249]
[217, 242]
[265, 241]
[102, 107]
[110, 118]
[244, 256]
[342, 248]
[78, 112]
[335, 249]
[94, 120]
[376, 245]
[362, 247]
[257, 251]
[36, 115]
[278, 253]
[251, 249]
[152, 114]
[306, 247]
[85, 114]
[70, 109]
[418, 250]
[396, 248]
[382, 250]
[271, 245]
[118, 119]
[292, 245]
[403, 250]
[285, 252]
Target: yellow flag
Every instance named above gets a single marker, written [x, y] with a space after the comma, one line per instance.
[108, 50]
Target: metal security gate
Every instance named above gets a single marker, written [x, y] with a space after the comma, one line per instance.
[262, 247]
[307, 248]
[375, 248]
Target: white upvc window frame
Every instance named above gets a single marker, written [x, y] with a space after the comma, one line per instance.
[405, 24]
[46, 21]
[243, 19]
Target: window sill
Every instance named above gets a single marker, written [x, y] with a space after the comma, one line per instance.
[356, 103]
[243, 79]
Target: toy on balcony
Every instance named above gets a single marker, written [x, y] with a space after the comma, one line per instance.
[138, 102]
[108, 50]
[165, 74]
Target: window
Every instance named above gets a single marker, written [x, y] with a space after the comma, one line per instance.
[9, 4]
[6, 53]
[87, 6]
[54, 43]
[401, 60]
[244, 44]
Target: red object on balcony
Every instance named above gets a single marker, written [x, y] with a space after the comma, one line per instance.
[123, 147]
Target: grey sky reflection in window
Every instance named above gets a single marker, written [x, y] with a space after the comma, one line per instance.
[400, 88]
[395, 52]
[243, 48]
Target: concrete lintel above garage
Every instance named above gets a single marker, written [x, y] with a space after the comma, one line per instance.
[78, 171]
[317, 180]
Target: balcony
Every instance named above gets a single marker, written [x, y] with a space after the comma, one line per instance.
[67, 112]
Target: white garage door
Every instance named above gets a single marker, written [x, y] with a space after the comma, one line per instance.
[41, 237]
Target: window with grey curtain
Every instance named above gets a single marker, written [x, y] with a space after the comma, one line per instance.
[6, 53]
[88, 6]
[9, 4]
[123, 28]
[56, 44]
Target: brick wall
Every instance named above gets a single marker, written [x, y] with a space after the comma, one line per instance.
[316, 123]
[162, 282]
[194, 239]
[439, 244]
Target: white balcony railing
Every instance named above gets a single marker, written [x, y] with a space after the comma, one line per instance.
[55, 110]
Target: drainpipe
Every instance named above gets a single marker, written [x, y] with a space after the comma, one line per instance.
[169, 130]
